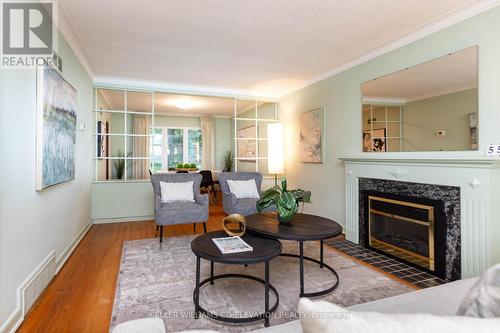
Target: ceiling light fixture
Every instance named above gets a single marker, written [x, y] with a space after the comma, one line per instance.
[185, 104]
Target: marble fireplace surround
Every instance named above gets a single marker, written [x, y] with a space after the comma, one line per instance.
[478, 181]
[449, 195]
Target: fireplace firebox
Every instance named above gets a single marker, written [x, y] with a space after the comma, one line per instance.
[410, 229]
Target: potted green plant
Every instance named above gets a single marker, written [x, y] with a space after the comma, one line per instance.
[227, 161]
[187, 166]
[286, 201]
[120, 164]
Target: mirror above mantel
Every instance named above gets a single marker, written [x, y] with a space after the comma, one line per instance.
[432, 106]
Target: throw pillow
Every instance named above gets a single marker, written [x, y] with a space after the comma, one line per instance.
[483, 299]
[177, 192]
[244, 189]
[325, 317]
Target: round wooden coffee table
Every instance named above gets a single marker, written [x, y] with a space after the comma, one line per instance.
[263, 251]
[302, 228]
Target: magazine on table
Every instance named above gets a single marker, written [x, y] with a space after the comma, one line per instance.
[235, 244]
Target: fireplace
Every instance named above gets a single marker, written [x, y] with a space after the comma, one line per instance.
[445, 201]
[410, 229]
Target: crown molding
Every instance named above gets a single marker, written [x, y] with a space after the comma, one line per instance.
[157, 86]
[73, 39]
[424, 30]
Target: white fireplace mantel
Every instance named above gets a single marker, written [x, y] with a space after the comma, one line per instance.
[464, 162]
[479, 182]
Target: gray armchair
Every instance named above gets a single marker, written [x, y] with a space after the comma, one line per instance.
[230, 203]
[179, 212]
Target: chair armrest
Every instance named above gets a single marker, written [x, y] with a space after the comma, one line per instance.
[201, 199]
[229, 201]
[158, 202]
[233, 198]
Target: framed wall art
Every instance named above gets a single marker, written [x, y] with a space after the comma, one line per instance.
[56, 128]
[375, 140]
[311, 136]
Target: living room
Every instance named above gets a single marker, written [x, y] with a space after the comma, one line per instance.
[380, 114]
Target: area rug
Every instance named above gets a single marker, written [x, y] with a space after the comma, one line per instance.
[157, 280]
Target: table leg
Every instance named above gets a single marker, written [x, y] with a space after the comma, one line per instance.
[321, 254]
[212, 272]
[267, 314]
[197, 290]
[301, 264]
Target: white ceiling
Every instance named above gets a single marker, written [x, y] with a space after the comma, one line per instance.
[258, 47]
[444, 75]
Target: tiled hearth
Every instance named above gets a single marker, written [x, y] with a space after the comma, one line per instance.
[410, 274]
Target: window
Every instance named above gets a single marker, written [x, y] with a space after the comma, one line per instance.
[172, 146]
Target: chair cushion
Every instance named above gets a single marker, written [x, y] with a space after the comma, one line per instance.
[246, 207]
[180, 213]
[181, 205]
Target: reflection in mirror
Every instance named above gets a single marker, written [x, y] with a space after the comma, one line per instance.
[139, 101]
[251, 120]
[138, 133]
[190, 129]
[428, 107]
[266, 110]
[246, 109]
[109, 99]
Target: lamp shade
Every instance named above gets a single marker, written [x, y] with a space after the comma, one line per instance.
[275, 148]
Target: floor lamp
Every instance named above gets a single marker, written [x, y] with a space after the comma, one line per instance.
[275, 150]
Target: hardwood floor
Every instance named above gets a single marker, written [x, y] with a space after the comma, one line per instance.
[80, 298]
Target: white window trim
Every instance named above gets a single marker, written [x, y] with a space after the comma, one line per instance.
[185, 142]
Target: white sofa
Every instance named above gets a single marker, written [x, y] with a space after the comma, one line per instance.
[443, 300]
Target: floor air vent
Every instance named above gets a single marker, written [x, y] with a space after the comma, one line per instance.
[39, 282]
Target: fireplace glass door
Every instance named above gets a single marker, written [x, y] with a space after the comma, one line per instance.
[402, 229]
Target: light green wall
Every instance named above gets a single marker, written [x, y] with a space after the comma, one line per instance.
[340, 95]
[448, 112]
[130, 201]
[33, 224]
[223, 139]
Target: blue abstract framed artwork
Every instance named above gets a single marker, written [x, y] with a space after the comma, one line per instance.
[56, 128]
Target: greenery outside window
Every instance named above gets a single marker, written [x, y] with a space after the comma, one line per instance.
[172, 146]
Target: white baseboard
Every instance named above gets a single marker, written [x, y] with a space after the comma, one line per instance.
[17, 316]
[61, 260]
[124, 219]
